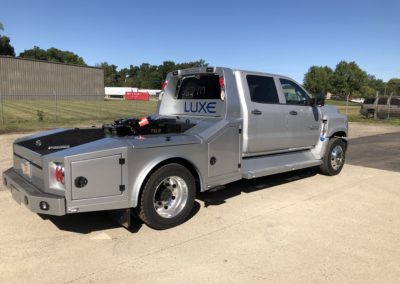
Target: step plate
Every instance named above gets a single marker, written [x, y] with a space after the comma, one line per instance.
[279, 163]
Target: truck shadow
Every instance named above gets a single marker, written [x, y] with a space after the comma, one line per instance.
[85, 223]
[248, 186]
[89, 222]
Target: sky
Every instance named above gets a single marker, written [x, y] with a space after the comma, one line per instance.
[283, 36]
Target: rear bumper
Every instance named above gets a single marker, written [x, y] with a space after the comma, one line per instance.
[24, 192]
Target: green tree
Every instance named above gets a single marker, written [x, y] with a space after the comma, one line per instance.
[372, 86]
[318, 78]
[393, 86]
[348, 79]
[53, 54]
[145, 76]
[112, 77]
[5, 47]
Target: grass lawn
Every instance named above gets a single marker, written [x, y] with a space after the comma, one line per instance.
[25, 115]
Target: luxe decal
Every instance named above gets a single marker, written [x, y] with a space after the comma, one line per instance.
[200, 107]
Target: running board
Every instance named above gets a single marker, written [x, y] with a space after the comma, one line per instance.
[279, 163]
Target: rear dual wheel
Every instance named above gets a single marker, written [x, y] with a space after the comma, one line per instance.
[168, 197]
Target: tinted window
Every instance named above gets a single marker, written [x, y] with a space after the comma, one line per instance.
[369, 101]
[395, 101]
[199, 87]
[382, 101]
[262, 89]
[293, 93]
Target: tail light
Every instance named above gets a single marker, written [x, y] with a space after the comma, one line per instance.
[59, 174]
[221, 81]
[164, 84]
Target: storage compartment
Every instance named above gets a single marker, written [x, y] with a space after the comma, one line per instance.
[94, 178]
[223, 153]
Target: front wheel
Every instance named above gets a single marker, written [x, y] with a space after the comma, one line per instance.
[168, 197]
[333, 160]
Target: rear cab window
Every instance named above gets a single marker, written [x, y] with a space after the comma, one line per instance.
[199, 87]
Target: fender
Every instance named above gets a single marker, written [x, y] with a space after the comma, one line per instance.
[137, 186]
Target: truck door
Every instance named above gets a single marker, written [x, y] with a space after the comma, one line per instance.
[303, 120]
[265, 128]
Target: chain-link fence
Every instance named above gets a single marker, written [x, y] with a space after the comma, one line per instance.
[36, 95]
[387, 107]
[32, 112]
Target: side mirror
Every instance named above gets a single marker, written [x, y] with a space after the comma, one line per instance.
[318, 100]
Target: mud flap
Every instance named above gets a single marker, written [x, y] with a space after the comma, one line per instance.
[122, 217]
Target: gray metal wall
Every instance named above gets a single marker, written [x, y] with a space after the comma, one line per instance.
[31, 79]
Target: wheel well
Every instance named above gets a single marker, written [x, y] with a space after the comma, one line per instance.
[179, 161]
[339, 134]
[342, 135]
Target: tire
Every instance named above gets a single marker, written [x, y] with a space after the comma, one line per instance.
[334, 158]
[370, 114]
[167, 197]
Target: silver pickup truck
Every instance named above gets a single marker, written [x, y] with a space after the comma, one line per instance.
[213, 126]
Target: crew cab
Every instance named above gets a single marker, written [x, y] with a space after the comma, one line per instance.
[213, 126]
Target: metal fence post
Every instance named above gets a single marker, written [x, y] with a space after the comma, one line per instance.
[376, 105]
[55, 99]
[389, 103]
[2, 109]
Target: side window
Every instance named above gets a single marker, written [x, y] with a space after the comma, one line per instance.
[293, 93]
[369, 101]
[262, 89]
[382, 101]
[395, 102]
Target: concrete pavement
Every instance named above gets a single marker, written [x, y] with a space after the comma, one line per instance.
[302, 229]
[291, 228]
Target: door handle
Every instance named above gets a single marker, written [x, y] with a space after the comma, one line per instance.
[256, 112]
[293, 112]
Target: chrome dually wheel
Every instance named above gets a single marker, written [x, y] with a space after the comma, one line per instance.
[170, 197]
[337, 157]
[334, 158]
[167, 197]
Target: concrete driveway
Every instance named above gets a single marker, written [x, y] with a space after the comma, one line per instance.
[289, 228]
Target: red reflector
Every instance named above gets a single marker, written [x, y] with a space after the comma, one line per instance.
[59, 174]
[221, 81]
[164, 84]
[143, 121]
